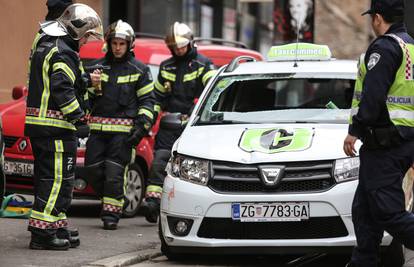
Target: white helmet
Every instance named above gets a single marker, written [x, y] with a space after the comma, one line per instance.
[120, 29]
[77, 20]
[179, 35]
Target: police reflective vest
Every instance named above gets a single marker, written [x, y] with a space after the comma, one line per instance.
[400, 98]
[181, 80]
[52, 105]
[127, 88]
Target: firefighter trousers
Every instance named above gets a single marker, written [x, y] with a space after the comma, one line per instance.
[379, 203]
[106, 160]
[54, 165]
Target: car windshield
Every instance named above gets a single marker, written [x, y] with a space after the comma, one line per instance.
[277, 99]
[154, 70]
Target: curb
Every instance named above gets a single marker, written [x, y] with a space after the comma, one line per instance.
[127, 259]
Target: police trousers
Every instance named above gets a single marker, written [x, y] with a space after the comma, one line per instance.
[106, 160]
[379, 202]
[54, 165]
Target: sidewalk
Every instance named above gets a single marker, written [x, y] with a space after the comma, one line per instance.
[132, 236]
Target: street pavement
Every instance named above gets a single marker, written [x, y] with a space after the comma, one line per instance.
[134, 244]
[133, 235]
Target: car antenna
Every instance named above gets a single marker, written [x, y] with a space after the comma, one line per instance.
[295, 65]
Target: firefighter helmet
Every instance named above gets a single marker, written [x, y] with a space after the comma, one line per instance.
[120, 29]
[179, 35]
[79, 20]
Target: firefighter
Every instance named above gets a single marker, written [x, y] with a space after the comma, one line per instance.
[382, 118]
[52, 116]
[180, 82]
[122, 113]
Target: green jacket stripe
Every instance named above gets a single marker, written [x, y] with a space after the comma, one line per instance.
[65, 68]
[46, 83]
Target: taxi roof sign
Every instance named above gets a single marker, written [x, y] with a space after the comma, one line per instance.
[299, 52]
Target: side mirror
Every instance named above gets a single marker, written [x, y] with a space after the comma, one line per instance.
[19, 92]
[172, 121]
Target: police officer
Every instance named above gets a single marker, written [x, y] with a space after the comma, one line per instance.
[52, 116]
[180, 81]
[382, 118]
[122, 113]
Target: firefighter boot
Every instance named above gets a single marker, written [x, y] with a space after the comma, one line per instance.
[152, 209]
[48, 243]
[71, 235]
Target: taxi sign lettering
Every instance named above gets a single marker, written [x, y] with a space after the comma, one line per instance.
[299, 51]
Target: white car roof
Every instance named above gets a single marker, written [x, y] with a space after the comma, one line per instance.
[333, 68]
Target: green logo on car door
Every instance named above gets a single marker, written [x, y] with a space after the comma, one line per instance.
[276, 140]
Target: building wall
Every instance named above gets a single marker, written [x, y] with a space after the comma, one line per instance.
[19, 22]
[340, 25]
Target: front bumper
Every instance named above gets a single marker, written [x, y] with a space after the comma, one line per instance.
[205, 207]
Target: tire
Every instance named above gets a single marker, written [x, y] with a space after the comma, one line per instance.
[165, 249]
[135, 190]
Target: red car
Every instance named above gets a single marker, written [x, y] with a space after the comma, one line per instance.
[18, 164]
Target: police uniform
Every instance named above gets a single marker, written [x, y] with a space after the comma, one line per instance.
[126, 102]
[382, 117]
[52, 110]
[180, 81]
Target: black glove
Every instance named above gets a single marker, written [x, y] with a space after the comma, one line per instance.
[82, 128]
[136, 134]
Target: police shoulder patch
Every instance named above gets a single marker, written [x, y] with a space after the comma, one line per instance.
[374, 58]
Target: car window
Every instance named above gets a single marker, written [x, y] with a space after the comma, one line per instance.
[257, 99]
[154, 70]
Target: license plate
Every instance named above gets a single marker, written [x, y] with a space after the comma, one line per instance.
[270, 212]
[18, 168]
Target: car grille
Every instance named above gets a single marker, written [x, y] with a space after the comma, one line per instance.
[316, 227]
[313, 176]
[9, 141]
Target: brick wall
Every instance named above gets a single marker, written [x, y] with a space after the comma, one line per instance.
[19, 22]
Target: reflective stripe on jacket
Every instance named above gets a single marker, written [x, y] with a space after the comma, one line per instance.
[127, 95]
[55, 77]
[181, 80]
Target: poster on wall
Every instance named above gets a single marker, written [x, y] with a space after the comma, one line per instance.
[293, 19]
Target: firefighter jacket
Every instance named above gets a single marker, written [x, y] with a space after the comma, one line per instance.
[127, 96]
[55, 77]
[181, 80]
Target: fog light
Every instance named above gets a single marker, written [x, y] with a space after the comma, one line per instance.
[80, 184]
[179, 226]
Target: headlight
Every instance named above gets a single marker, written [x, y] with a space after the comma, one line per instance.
[346, 169]
[189, 169]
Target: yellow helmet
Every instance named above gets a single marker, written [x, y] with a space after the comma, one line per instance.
[178, 36]
[79, 20]
[121, 29]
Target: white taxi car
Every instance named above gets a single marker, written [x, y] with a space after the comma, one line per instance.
[260, 166]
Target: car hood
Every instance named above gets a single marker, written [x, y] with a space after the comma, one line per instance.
[13, 116]
[255, 143]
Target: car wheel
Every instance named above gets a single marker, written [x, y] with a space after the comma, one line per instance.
[165, 249]
[134, 190]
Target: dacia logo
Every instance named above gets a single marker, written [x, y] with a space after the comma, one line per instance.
[276, 140]
[271, 175]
